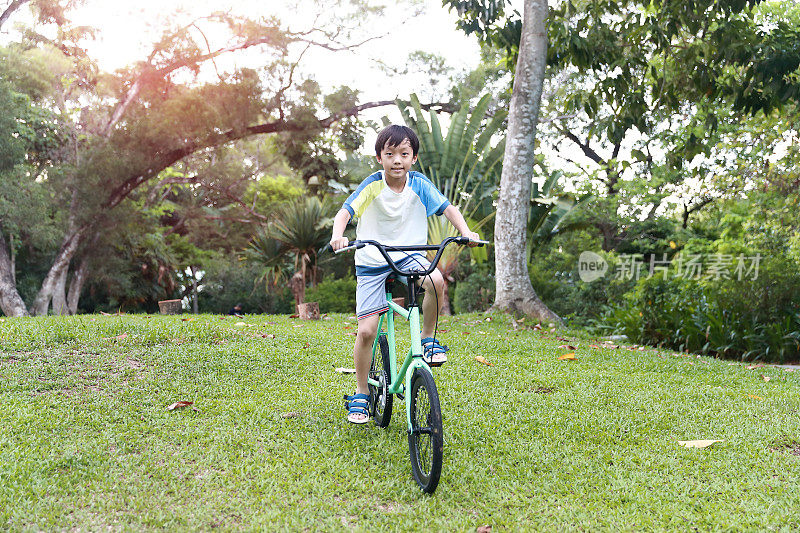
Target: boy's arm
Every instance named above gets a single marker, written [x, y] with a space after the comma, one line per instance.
[338, 240]
[457, 220]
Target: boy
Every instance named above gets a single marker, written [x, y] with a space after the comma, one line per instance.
[392, 206]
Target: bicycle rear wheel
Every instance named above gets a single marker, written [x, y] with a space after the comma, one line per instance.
[425, 439]
[380, 371]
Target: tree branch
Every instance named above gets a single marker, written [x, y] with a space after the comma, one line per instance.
[587, 150]
[165, 159]
[13, 6]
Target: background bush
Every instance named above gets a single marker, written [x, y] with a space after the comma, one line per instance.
[744, 319]
[474, 293]
[334, 295]
[229, 281]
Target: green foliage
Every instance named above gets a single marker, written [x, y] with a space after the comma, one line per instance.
[334, 295]
[549, 210]
[553, 270]
[743, 319]
[474, 293]
[228, 281]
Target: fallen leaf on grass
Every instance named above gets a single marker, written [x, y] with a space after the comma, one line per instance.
[568, 357]
[343, 370]
[567, 347]
[118, 337]
[294, 316]
[788, 369]
[268, 336]
[293, 414]
[751, 367]
[753, 396]
[484, 529]
[179, 405]
[482, 359]
[765, 378]
[187, 319]
[697, 443]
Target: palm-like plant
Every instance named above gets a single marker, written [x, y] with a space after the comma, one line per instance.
[267, 252]
[464, 165]
[302, 227]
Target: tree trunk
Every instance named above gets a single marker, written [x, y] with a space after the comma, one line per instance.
[76, 285]
[194, 291]
[60, 294]
[514, 290]
[444, 305]
[61, 263]
[298, 287]
[10, 301]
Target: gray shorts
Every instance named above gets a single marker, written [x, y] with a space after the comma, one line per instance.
[371, 287]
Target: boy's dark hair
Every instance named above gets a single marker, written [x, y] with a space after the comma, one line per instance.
[394, 135]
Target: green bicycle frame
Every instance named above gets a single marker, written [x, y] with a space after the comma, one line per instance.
[400, 380]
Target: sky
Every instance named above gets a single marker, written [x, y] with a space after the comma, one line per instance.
[127, 29]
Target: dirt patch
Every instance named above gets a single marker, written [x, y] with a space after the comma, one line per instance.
[390, 507]
[78, 372]
[788, 446]
[541, 389]
[794, 450]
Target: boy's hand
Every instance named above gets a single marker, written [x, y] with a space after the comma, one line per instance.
[338, 243]
[472, 236]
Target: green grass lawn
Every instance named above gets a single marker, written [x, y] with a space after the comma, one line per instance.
[531, 443]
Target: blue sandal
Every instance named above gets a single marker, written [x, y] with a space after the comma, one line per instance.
[433, 353]
[357, 404]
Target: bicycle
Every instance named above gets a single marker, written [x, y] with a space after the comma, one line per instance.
[423, 411]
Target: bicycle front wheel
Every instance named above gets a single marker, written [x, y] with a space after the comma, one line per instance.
[380, 371]
[425, 439]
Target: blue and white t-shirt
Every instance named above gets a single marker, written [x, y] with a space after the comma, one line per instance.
[392, 218]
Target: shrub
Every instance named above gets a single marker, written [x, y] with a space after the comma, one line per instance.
[744, 319]
[228, 282]
[475, 293]
[334, 295]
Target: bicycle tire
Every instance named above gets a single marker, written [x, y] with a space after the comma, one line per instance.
[426, 437]
[379, 398]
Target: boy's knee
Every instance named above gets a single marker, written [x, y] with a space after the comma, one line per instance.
[367, 329]
[434, 280]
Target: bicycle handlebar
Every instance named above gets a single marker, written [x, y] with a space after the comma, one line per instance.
[355, 245]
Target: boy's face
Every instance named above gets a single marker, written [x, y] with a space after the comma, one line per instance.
[397, 160]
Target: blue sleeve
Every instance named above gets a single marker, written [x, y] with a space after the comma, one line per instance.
[434, 201]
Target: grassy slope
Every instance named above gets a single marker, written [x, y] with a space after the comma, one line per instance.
[531, 443]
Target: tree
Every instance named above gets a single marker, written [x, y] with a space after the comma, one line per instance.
[514, 291]
[140, 121]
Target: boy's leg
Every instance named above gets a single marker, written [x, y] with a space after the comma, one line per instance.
[362, 353]
[431, 302]
[370, 302]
